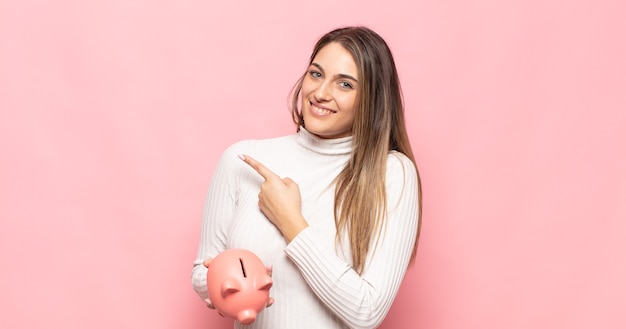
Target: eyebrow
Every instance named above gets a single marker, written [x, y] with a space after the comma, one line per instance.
[343, 76]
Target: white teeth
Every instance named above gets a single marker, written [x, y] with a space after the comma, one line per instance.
[321, 110]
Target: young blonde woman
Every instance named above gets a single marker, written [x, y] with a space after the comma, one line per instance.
[335, 208]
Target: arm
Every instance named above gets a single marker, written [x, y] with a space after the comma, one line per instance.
[218, 210]
[363, 301]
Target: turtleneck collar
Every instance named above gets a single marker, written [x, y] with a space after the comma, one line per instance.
[336, 146]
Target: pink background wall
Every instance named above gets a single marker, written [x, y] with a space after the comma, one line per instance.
[113, 114]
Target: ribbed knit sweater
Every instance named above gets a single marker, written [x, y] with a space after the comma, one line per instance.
[314, 284]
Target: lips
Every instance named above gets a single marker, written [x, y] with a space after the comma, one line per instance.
[320, 110]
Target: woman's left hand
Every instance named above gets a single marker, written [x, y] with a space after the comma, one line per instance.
[279, 200]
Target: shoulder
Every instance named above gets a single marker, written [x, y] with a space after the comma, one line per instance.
[230, 167]
[402, 181]
[400, 166]
[249, 146]
[261, 149]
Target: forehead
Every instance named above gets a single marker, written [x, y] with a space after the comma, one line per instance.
[335, 59]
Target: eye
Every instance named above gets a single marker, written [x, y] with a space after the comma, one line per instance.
[315, 74]
[345, 85]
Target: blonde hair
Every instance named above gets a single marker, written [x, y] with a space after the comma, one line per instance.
[379, 127]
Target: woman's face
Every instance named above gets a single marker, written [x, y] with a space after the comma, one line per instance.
[329, 92]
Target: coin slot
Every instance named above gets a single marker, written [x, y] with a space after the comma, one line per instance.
[243, 270]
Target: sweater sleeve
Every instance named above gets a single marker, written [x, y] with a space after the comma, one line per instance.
[216, 218]
[362, 301]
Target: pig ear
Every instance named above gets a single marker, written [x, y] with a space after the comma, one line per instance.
[230, 286]
[263, 282]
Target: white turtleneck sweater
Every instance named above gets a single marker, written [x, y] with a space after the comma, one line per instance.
[314, 284]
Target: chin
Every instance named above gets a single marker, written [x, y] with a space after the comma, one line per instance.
[325, 133]
[325, 128]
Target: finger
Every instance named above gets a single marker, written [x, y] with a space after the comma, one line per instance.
[207, 262]
[258, 167]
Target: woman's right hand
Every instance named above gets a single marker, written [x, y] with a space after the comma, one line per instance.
[279, 200]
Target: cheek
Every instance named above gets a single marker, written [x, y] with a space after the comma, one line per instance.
[307, 86]
[348, 104]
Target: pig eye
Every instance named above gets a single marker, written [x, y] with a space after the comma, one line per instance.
[243, 270]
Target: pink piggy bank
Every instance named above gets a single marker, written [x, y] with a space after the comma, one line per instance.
[238, 284]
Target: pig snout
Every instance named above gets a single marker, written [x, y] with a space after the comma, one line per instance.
[246, 316]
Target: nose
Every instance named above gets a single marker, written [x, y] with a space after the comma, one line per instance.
[323, 93]
[247, 316]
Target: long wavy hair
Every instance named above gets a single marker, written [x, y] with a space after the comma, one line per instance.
[379, 127]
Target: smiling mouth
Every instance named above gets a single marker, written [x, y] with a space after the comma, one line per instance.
[321, 110]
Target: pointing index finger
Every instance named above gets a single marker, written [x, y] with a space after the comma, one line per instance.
[258, 167]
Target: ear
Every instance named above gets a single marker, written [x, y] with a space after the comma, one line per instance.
[263, 282]
[230, 286]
